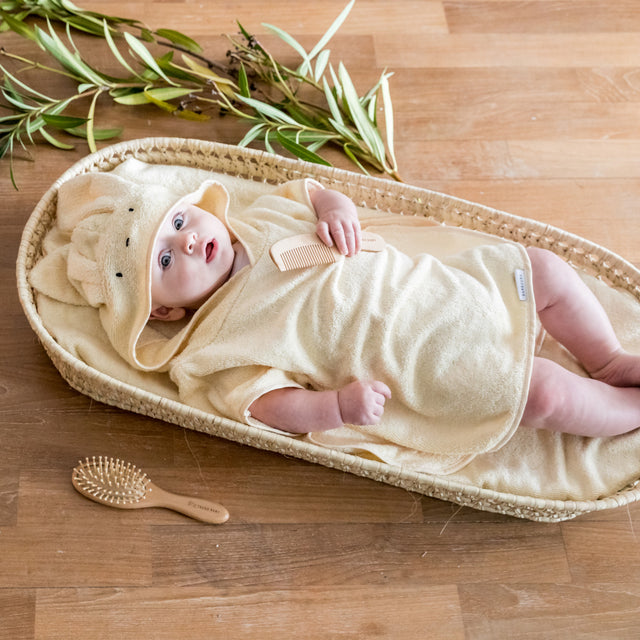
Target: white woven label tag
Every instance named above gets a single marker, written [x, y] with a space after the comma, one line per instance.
[521, 284]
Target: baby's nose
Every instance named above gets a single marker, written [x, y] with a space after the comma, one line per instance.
[190, 242]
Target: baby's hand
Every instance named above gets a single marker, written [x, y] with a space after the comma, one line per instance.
[362, 402]
[337, 221]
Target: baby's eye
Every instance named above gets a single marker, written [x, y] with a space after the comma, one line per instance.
[178, 221]
[166, 259]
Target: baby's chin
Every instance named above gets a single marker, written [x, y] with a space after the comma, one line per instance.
[196, 304]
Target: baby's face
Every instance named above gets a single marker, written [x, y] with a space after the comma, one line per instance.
[192, 257]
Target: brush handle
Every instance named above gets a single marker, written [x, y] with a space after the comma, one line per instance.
[196, 508]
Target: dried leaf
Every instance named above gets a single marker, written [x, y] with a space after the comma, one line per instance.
[388, 119]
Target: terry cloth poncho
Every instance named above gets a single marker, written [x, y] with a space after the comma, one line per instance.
[453, 338]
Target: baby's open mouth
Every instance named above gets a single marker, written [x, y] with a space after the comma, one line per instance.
[211, 250]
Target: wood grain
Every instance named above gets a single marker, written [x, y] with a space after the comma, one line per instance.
[532, 107]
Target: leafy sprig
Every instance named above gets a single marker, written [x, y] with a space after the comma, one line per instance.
[301, 109]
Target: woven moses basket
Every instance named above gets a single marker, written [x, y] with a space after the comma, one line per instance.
[374, 193]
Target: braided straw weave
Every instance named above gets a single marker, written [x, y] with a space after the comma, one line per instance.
[366, 191]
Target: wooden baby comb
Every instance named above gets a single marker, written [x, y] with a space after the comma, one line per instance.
[307, 250]
[122, 485]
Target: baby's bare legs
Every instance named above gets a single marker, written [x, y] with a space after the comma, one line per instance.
[608, 403]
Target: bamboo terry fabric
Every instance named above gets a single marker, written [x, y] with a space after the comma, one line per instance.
[453, 337]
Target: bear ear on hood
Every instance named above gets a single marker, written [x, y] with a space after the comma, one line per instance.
[82, 201]
[86, 195]
[49, 276]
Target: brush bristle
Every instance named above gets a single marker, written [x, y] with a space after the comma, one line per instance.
[110, 481]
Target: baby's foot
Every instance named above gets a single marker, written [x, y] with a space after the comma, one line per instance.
[623, 370]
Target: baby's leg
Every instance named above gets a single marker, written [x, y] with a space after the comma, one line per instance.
[572, 314]
[560, 400]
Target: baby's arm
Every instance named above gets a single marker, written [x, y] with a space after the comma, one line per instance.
[337, 220]
[303, 411]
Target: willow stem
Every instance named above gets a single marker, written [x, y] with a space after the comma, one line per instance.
[37, 65]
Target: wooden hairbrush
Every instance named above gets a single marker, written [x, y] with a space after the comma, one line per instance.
[122, 485]
[307, 250]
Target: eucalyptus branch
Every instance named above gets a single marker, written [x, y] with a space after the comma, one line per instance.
[301, 109]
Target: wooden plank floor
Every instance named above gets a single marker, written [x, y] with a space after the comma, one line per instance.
[528, 106]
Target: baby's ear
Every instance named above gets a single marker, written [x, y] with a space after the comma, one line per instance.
[168, 314]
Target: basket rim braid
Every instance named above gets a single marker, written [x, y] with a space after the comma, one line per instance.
[375, 193]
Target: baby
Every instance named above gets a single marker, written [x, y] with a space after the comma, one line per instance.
[194, 255]
[424, 353]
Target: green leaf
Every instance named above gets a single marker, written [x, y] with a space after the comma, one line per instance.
[299, 115]
[53, 45]
[331, 31]
[249, 37]
[352, 157]
[331, 101]
[33, 125]
[6, 147]
[26, 87]
[294, 44]
[168, 93]
[132, 99]
[299, 151]
[63, 122]
[290, 40]
[252, 134]
[344, 131]
[12, 118]
[321, 64]
[243, 82]
[269, 111]
[175, 71]
[85, 23]
[98, 134]
[160, 96]
[91, 138]
[318, 144]
[114, 49]
[180, 39]
[18, 26]
[267, 142]
[69, 6]
[369, 133]
[143, 53]
[146, 35]
[149, 75]
[371, 111]
[336, 83]
[53, 141]
[14, 98]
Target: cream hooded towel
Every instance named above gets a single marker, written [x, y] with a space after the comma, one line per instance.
[452, 338]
